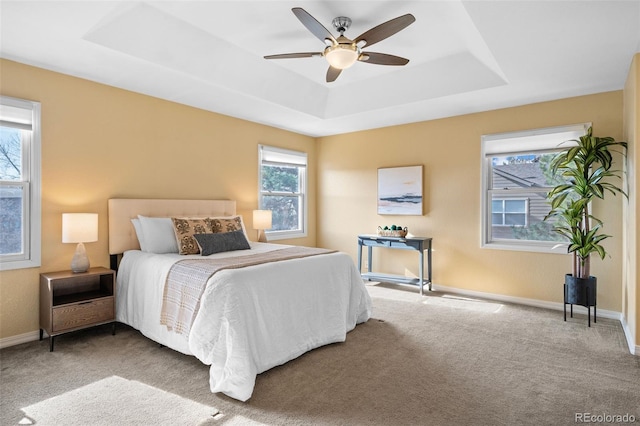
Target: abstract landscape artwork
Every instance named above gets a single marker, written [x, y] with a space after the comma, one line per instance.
[400, 190]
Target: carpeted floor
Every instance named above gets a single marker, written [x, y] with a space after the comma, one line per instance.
[433, 360]
[98, 404]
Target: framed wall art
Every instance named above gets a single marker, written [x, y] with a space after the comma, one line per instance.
[400, 190]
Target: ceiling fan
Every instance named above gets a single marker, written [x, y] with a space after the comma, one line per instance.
[342, 52]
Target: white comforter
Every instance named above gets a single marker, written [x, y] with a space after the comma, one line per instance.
[250, 319]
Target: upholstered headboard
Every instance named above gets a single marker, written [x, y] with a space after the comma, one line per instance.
[122, 235]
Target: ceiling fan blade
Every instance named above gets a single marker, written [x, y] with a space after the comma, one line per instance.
[386, 29]
[294, 55]
[382, 59]
[332, 74]
[316, 28]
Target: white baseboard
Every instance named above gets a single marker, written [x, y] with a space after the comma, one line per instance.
[557, 306]
[19, 339]
[634, 349]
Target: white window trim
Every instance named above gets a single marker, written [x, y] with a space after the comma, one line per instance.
[289, 234]
[511, 143]
[32, 206]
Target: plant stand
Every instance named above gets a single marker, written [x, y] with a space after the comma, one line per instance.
[583, 292]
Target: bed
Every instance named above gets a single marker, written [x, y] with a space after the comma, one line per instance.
[251, 315]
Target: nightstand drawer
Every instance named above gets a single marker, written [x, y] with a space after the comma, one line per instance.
[82, 314]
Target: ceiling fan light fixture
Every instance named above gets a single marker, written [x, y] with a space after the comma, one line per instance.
[342, 52]
[342, 56]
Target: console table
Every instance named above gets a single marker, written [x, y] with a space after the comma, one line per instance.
[419, 244]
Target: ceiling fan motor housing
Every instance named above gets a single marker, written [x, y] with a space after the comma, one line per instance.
[341, 24]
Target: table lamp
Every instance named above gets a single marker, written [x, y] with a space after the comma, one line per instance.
[79, 228]
[262, 221]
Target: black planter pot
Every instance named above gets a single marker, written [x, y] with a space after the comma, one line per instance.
[580, 291]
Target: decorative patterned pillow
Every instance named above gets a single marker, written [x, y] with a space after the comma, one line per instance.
[219, 224]
[221, 241]
[185, 229]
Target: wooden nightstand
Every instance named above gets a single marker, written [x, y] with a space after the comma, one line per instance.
[74, 301]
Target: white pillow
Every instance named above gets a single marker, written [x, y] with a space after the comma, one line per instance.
[158, 235]
[138, 228]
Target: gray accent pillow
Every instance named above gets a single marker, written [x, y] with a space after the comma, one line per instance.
[222, 241]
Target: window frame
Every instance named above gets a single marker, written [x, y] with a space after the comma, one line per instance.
[286, 157]
[534, 141]
[30, 182]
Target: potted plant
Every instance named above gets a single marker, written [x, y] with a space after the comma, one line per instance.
[585, 167]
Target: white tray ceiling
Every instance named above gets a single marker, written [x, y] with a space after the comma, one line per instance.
[465, 57]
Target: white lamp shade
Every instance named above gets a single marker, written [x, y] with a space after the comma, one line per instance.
[341, 57]
[79, 227]
[261, 219]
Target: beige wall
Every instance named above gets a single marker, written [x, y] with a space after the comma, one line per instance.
[630, 293]
[449, 149]
[99, 142]
[122, 144]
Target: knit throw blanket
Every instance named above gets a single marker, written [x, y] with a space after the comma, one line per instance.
[188, 278]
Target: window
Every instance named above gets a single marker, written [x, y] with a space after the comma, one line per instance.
[516, 177]
[19, 183]
[283, 188]
[506, 212]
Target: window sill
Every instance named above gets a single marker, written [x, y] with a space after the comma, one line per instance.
[285, 235]
[542, 247]
[19, 264]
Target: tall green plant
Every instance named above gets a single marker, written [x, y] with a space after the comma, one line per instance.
[586, 168]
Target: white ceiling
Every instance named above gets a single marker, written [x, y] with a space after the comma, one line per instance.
[465, 56]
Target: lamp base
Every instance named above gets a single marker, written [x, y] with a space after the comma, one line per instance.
[80, 261]
[262, 237]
